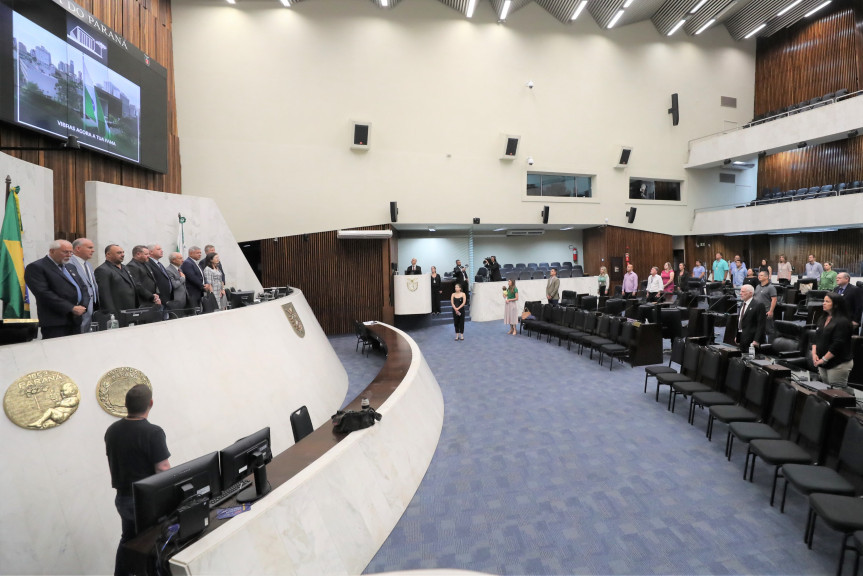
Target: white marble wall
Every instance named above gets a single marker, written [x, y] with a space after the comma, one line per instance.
[486, 301]
[216, 378]
[130, 216]
[37, 206]
[334, 516]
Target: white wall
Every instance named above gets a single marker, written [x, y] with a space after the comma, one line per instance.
[266, 96]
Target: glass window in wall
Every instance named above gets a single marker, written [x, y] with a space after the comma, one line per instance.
[642, 189]
[559, 185]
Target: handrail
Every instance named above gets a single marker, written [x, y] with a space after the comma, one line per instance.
[765, 201]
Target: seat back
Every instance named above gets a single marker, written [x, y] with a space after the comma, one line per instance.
[580, 318]
[691, 354]
[538, 275]
[577, 271]
[590, 302]
[567, 297]
[851, 451]
[506, 267]
[603, 326]
[710, 368]
[511, 275]
[564, 273]
[590, 323]
[677, 346]
[534, 307]
[543, 265]
[613, 328]
[672, 327]
[547, 310]
[735, 377]
[813, 421]
[301, 423]
[521, 265]
[524, 274]
[568, 316]
[532, 265]
[482, 271]
[627, 333]
[757, 389]
[782, 412]
[555, 264]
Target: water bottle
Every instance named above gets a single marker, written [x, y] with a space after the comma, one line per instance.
[752, 350]
[112, 323]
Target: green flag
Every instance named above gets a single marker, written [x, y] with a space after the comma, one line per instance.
[13, 292]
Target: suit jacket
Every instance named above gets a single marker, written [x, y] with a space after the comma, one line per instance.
[178, 283]
[219, 266]
[163, 281]
[92, 290]
[552, 289]
[854, 299]
[194, 282]
[55, 294]
[145, 279]
[751, 325]
[118, 290]
[410, 271]
[494, 272]
[460, 277]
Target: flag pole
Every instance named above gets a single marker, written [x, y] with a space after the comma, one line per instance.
[8, 189]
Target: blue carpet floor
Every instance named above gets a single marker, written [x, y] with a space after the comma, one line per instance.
[549, 464]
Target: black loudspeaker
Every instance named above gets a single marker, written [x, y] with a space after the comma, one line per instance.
[511, 147]
[394, 212]
[361, 134]
[624, 156]
[630, 215]
[545, 214]
[674, 110]
[476, 220]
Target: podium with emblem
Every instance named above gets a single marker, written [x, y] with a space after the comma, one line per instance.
[412, 294]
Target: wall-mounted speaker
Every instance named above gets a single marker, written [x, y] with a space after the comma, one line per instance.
[394, 212]
[545, 212]
[674, 110]
[630, 215]
[625, 153]
[476, 220]
[510, 148]
[362, 131]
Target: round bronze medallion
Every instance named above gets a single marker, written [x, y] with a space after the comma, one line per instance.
[112, 388]
[41, 400]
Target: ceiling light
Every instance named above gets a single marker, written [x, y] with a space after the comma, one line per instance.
[628, 3]
[816, 9]
[232, 1]
[505, 10]
[756, 31]
[499, 229]
[567, 228]
[698, 6]
[432, 229]
[789, 7]
[578, 9]
[384, 3]
[286, 3]
[739, 163]
[471, 6]
[706, 26]
[677, 27]
[615, 19]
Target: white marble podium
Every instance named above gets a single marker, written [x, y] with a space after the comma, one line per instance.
[486, 300]
[412, 294]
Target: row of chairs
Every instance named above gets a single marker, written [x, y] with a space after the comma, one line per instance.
[802, 106]
[534, 265]
[531, 273]
[777, 195]
[739, 395]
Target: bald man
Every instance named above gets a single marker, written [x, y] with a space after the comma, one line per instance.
[751, 321]
[61, 294]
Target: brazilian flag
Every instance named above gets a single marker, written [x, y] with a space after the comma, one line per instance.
[13, 292]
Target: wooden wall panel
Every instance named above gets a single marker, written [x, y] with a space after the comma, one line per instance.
[645, 249]
[343, 280]
[810, 59]
[830, 163]
[147, 25]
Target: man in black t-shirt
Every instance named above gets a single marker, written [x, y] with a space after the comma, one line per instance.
[136, 449]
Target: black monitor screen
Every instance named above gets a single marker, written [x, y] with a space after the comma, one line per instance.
[158, 496]
[135, 316]
[64, 73]
[240, 299]
[238, 459]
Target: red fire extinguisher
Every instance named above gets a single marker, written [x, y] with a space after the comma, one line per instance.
[627, 257]
[574, 255]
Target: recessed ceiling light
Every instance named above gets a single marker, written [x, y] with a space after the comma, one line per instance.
[615, 19]
[706, 26]
[579, 8]
[499, 229]
[756, 31]
[567, 228]
[816, 9]
[698, 6]
[232, 1]
[286, 3]
[471, 6]
[432, 229]
[505, 9]
[676, 27]
[789, 7]
[628, 3]
[385, 3]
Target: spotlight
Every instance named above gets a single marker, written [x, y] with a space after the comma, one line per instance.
[853, 134]
[762, 154]
[726, 162]
[802, 145]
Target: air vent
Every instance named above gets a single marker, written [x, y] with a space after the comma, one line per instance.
[727, 102]
[525, 232]
[726, 178]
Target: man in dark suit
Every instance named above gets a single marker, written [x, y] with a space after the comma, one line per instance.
[160, 273]
[117, 289]
[178, 282]
[210, 249]
[853, 299]
[751, 321]
[61, 295]
[459, 274]
[413, 268]
[142, 274]
[195, 284]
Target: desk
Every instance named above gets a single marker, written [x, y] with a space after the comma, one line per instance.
[335, 497]
[412, 294]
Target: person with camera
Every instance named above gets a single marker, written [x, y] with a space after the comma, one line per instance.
[493, 268]
[459, 274]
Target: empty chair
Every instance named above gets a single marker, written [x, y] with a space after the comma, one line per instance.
[619, 348]
[564, 273]
[841, 93]
[855, 187]
[538, 275]
[688, 371]
[566, 265]
[524, 274]
[532, 265]
[568, 298]
[749, 409]
[814, 101]
[841, 513]
[577, 271]
[479, 278]
[511, 274]
[301, 423]
[543, 265]
[507, 266]
[840, 188]
[828, 98]
[362, 336]
[606, 331]
[781, 416]
[709, 374]
[521, 265]
[555, 264]
[482, 271]
[675, 358]
[735, 379]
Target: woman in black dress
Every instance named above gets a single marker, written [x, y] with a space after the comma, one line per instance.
[831, 352]
[436, 290]
[458, 301]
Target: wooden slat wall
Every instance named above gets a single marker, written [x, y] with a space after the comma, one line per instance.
[342, 280]
[147, 25]
[830, 163]
[645, 249]
[844, 248]
[811, 59]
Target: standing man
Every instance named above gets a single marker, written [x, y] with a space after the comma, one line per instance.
[720, 268]
[163, 281]
[738, 273]
[552, 288]
[765, 293]
[750, 323]
[814, 269]
[136, 450]
[143, 275]
[699, 272]
[493, 269]
[630, 282]
[117, 289]
[852, 297]
[195, 284]
[61, 295]
[413, 269]
[210, 249]
[82, 250]
[459, 274]
[178, 284]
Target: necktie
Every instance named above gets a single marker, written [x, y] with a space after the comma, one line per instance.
[92, 280]
[841, 290]
[743, 310]
[72, 280]
[162, 268]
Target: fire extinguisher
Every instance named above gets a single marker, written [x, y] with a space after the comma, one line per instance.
[574, 255]
[627, 257]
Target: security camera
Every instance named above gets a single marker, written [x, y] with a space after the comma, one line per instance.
[530, 84]
[530, 161]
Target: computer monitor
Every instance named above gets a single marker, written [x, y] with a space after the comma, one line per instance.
[279, 291]
[244, 298]
[159, 496]
[246, 456]
[135, 316]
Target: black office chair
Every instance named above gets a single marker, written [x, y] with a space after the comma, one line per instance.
[735, 379]
[781, 415]
[301, 423]
[688, 370]
[676, 358]
[709, 375]
[362, 336]
[841, 513]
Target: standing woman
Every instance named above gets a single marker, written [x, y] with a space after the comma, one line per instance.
[783, 270]
[667, 279]
[510, 312]
[213, 277]
[765, 267]
[436, 290]
[603, 281]
[458, 301]
[831, 352]
[681, 279]
[828, 278]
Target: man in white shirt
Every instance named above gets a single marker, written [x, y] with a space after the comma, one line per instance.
[654, 285]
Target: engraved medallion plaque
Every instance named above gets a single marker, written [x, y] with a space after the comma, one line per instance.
[112, 388]
[41, 400]
[294, 319]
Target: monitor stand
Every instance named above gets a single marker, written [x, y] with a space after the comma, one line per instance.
[259, 490]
